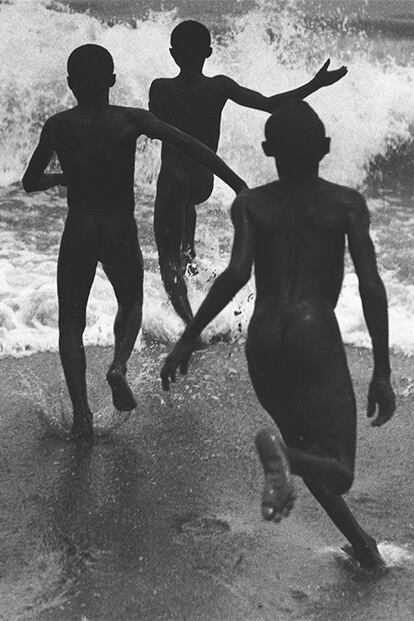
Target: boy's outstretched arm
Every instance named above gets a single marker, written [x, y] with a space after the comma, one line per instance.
[375, 307]
[34, 178]
[252, 99]
[151, 126]
[224, 288]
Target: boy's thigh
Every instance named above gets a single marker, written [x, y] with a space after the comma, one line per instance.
[275, 396]
[122, 262]
[327, 406]
[77, 263]
[313, 405]
[322, 394]
[173, 190]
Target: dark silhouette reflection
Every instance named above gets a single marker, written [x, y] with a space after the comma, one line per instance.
[115, 514]
[103, 519]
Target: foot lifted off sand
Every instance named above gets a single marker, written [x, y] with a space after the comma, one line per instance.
[278, 495]
[122, 396]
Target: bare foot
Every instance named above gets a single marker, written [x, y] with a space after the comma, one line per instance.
[191, 269]
[122, 396]
[82, 427]
[368, 557]
[278, 495]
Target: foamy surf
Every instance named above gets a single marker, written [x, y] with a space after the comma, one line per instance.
[369, 116]
[376, 119]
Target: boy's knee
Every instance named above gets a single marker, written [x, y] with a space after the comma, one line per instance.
[71, 321]
[343, 483]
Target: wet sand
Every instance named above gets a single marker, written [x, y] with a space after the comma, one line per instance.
[159, 518]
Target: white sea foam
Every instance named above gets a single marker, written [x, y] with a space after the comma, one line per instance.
[366, 114]
[268, 49]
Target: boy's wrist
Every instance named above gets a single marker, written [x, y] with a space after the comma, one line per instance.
[316, 82]
[239, 185]
[384, 373]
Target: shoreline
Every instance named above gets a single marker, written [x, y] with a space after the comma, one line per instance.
[159, 517]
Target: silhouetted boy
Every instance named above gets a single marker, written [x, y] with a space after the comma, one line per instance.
[294, 231]
[194, 103]
[95, 143]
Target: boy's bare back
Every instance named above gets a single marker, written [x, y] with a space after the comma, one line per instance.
[96, 150]
[300, 239]
[193, 106]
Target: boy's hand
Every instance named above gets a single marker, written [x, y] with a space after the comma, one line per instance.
[178, 358]
[381, 398]
[325, 77]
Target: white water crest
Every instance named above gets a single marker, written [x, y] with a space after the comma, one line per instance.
[369, 116]
[271, 50]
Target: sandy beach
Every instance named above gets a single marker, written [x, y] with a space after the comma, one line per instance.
[159, 518]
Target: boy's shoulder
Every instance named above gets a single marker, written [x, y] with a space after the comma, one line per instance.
[160, 82]
[165, 83]
[260, 192]
[60, 117]
[338, 197]
[345, 192]
[58, 120]
[347, 198]
[114, 116]
[251, 199]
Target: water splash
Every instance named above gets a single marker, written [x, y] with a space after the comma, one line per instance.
[394, 555]
[51, 406]
[271, 48]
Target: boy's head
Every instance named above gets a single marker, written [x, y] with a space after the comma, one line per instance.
[90, 71]
[190, 43]
[295, 137]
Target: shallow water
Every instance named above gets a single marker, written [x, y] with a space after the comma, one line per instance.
[160, 519]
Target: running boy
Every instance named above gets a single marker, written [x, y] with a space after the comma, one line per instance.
[194, 103]
[294, 231]
[95, 143]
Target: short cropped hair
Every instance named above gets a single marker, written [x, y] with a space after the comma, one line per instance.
[90, 62]
[190, 34]
[295, 128]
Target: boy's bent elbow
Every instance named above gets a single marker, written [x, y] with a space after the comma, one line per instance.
[373, 294]
[28, 185]
[372, 287]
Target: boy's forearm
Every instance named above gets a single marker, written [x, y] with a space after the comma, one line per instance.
[374, 303]
[206, 157]
[45, 182]
[221, 293]
[298, 93]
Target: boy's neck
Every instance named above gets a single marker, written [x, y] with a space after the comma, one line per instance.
[100, 100]
[189, 74]
[299, 176]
